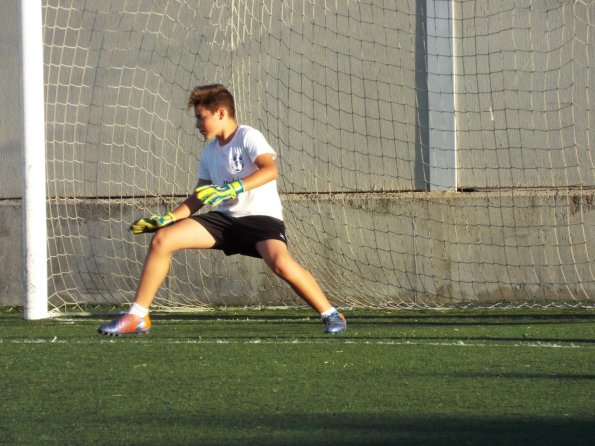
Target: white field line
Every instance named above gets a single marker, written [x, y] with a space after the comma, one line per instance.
[203, 321]
[199, 341]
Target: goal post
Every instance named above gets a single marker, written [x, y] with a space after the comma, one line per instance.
[33, 161]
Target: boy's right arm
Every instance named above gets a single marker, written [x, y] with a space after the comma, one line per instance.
[191, 204]
[188, 207]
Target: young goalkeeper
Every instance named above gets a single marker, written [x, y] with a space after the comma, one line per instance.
[237, 175]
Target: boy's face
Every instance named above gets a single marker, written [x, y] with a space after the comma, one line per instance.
[209, 124]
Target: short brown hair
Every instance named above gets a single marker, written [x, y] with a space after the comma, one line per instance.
[212, 97]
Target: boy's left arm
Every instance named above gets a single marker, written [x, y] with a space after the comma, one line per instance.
[214, 195]
[267, 171]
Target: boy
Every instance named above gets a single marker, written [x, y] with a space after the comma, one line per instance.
[237, 174]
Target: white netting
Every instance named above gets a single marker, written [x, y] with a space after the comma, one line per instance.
[343, 90]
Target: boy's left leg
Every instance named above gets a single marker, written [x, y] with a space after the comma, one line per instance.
[277, 257]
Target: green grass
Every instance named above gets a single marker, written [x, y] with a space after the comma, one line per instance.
[496, 377]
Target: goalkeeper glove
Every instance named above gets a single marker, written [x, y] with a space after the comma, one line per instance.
[152, 223]
[214, 195]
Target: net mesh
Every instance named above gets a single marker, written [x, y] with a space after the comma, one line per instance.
[355, 97]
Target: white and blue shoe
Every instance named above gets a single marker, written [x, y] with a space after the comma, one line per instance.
[126, 324]
[335, 323]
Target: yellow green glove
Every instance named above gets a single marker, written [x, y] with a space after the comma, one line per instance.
[153, 223]
[214, 195]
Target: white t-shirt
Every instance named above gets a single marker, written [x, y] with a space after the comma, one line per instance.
[234, 160]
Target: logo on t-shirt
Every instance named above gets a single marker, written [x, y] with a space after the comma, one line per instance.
[236, 160]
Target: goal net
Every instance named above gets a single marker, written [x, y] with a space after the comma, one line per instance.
[431, 153]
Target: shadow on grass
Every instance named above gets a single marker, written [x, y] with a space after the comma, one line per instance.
[378, 339]
[437, 319]
[260, 428]
[177, 427]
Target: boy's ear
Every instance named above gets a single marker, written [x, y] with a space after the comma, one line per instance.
[221, 112]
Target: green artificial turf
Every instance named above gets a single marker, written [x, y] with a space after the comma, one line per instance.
[271, 377]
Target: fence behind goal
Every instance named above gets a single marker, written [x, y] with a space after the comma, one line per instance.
[431, 153]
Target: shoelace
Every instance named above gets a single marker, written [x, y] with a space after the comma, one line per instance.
[332, 318]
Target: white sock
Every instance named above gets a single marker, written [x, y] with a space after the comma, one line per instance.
[138, 310]
[328, 312]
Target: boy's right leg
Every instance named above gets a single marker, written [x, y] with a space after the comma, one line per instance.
[184, 234]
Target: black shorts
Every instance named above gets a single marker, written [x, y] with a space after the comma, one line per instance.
[239, 235]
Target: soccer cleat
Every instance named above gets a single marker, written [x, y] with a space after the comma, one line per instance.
[126, 324]
[335, 323]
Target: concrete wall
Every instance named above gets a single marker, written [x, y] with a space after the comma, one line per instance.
[422, 248]
[327, 95]
[11, 271]
[10, 111]
[342, 95]
[525, 93]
